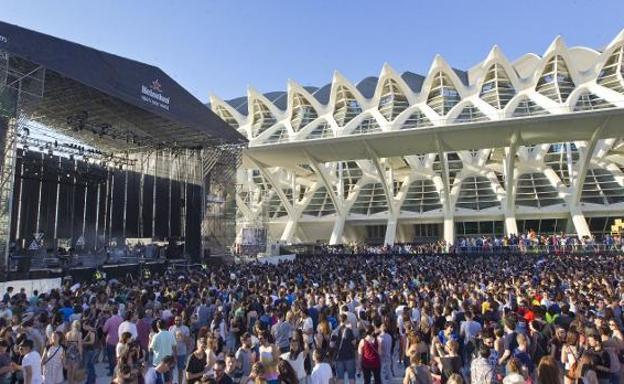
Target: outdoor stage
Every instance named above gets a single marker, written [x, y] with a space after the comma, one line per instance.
[106, 163]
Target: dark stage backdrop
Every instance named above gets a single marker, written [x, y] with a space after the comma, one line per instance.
[93, 201]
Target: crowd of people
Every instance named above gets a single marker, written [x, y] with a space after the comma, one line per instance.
[534, 318]
[523, 243]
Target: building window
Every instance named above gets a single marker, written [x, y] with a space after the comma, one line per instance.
[392, 101]
[346, 106]
[442, 95]
[302, 113]
[555, 82]
[497, 89]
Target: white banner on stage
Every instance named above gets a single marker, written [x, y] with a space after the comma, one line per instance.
[274, 260]
[41, 285]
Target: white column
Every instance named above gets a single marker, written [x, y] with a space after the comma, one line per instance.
[391, 230]
[578, 219]
[511, 226]
[449, 230]
[289, 231]
[337, 231]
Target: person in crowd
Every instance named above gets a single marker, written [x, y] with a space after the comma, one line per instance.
[163, 344]
[322, 372]
[6, 298]
[89, 339]
[196, 363]
[53, 359]
[220, 376]
[268, 354]
[5, 361]
[245, 357]
[385, 346]
[287, 374]
[143, 326]
[161, 372]
[182, 334]
[281, 332]
[514, 372]
[128, 325]
[30, 366]
[548, 371]
[417, 372]
[344, 344]
[73, 351]
[296, 358]
[111, 330]
[482, 371]
[585, 373]
[370, 356]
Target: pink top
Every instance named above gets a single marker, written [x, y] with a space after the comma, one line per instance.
[111, 327]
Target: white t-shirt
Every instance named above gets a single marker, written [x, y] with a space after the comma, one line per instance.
[297, 364]
[33, 360]
[308, 326]
[321, 374]
[128, 326]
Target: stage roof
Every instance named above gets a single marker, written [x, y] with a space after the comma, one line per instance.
[117, 93]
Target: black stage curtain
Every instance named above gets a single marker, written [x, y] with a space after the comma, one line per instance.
[148, 200]
[75, 179]
[176, 208]
[132, 214]
[16, 192]
[162, 208]
[193, 221]
[118, 204]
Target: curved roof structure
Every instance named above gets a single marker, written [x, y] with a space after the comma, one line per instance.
[537, 137]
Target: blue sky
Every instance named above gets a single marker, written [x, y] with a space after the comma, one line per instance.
[224, 46]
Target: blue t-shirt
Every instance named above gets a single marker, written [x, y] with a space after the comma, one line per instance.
[153, 377]
[66, 312]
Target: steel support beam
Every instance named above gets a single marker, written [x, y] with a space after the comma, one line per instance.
[338, 204]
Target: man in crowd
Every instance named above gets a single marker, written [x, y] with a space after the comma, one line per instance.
[160, 374]
[111, 330]
[163, 344]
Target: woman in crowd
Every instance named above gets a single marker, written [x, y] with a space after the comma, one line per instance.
[88, 344]
[73, 351]
[268, 354]
[548, 371]
[52, 363]
[417, 372]
[287, 374]
[370, 360]
[196, 363]
[296, 357]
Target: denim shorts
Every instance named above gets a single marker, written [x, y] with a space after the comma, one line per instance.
[347, 366]
[181, 362]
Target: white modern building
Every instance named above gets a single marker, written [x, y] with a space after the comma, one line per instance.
[498, 149]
